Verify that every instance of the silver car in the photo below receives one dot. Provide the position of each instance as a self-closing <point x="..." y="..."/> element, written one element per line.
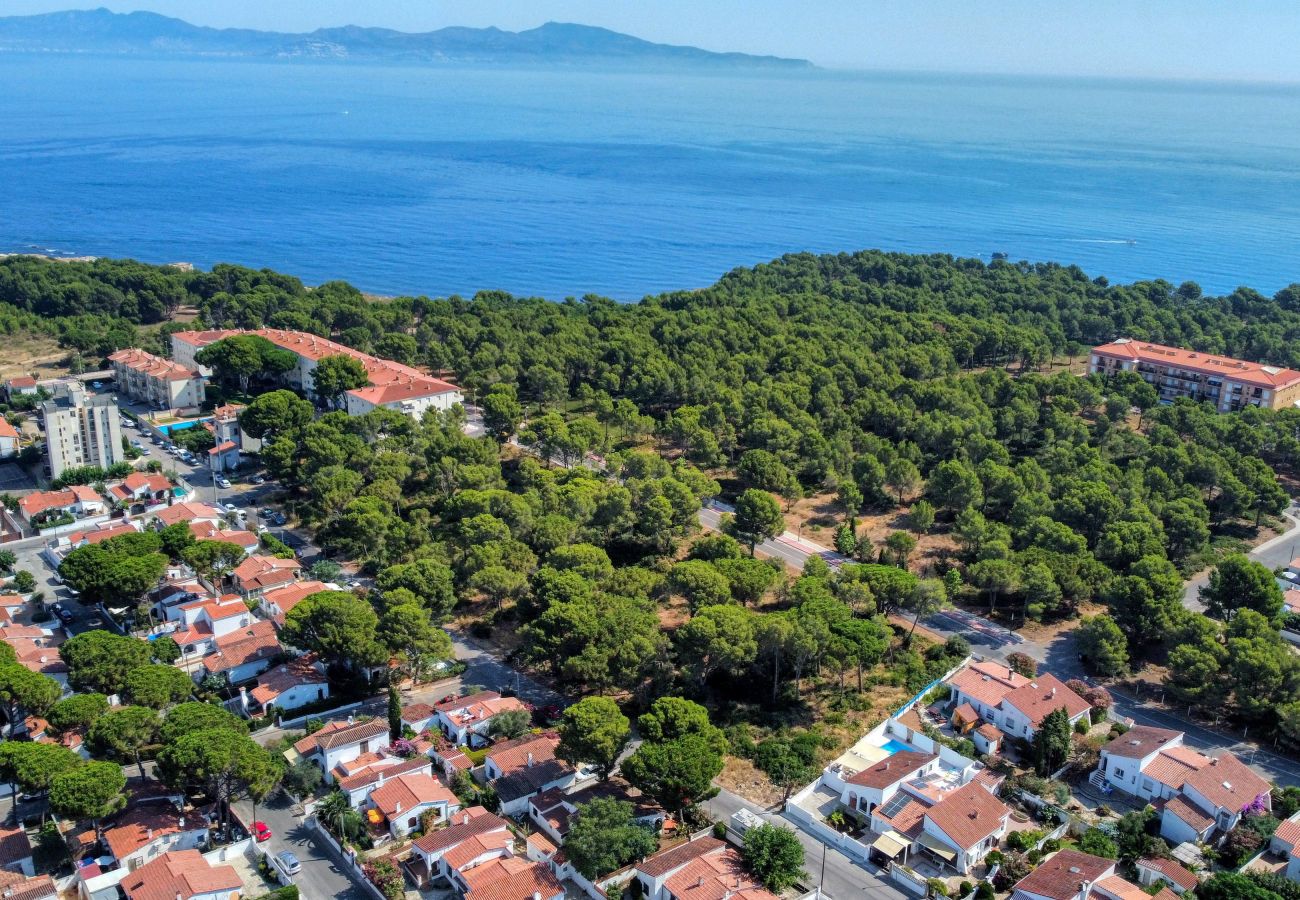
<point x="289" y="861"/>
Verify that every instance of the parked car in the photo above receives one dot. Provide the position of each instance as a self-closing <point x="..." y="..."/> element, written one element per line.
<point x="278" y="519"/>
<point x="63" y="615"/>
<point x="289" y="861"/>
<point x="257" y="479"/>
<point x="262" y="529"/>
<point x="97" y="384"/>
<point x="261" y="832"/>
<point x="223" y="482"/>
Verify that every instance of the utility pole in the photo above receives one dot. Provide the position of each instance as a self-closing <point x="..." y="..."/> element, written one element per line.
<point x="822" y="877"/>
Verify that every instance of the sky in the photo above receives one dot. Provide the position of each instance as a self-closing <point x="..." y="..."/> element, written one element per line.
<point x="1252" y="40"/>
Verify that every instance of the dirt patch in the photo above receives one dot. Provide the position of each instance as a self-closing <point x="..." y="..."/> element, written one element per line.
<point x="1046" y="632"/>
<point x="673" y="614"/>
<point x="741" y="777"/>
<point x="32" y="354"/>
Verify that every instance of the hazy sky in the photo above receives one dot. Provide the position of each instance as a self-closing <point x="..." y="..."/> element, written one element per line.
<point x="1243" y="39"/>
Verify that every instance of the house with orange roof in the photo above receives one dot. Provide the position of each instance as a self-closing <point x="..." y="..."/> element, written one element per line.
<point x="358" y="777"/>
<point x="522" y="768"/>
<point x="8" y="439"/>
<point x="1016" y="705"/>
<point x="16" y="851"/>
<point x="276" y="602"/>
<point x="1148" y="762"/>
<point x="258" y="574"/>
<point x="704" y="868"/>
<point x="148" y="829"/>
<point x="14" y="886"/>
<point x="290" y="685"/>
<point x="64" y="544"/>
<point x="190" y="511"/>
<point x="551" y="812"/>
<point x="141" y="488"/>
<point x="465" y="720"/>
<point x="243" y="654"/>
<point x="1073" y="875"/>
<point x="1230" y="384"/>
<point x="341" y="742"/>
<point x="211" y="531"/>
<point x="473" y="837"/>
<point x="182" y="875"/>
<point x="1214" y="797"/>
<point x="78" y="501"/>
<point x="159" y="382"/>
<point x="22" y="385"/>
<point x="405" y="798"/>
<point x="1169" y="872"/>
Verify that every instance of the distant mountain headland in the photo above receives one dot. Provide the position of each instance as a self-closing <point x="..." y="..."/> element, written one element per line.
<point x="150" y="34"/>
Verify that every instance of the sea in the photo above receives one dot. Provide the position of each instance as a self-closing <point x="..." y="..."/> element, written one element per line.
<point x="573" y="181"/>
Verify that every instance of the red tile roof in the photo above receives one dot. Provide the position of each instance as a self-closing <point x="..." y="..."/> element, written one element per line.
<point x="892" y="769"/>
<point x="1140" y="741"/>
<point x="1043" y="695"/>
<point x="151" y="366"/>
<point x="987" y="681"/>
<point x="1119" y="887"/>
<point x="187" y="512"/>
<point x="14" y="886"/>
<point x="22" y="381"/>
<point x="134" y="829"/>
<point x="180" y="874"/>
<point x="1171" y="871"/>
<point x="1228" y="783"/>
<point x="41" y="501"/>
<point x="968" y="815"/>
<point x="464" y="824"/>
<point x="274" y="682"/>
<point x="477" y="845"/>
<point x="1288" y="832"/>
<point x="7" y="430"/>
<point x="264" y="571"/>
<point x="404" y="793"/>
<point x="1173" y="764"/>
<point x="1192" y="815"/>
<point x="1254" y="374"/>
<point x="340" y="734"/>
<point x="291" y="595"/>
<point x="1059" y="876"/>
<point x="257" y="641"/>
<point x="14" y="846"/>
<point x="387" y="766"/>
<point x="716" y="876"/>
<point x="908" y="820"/>
<point x="520" y="752"/>
<point x="662" y="863"/>
<point x="525" y="884"/>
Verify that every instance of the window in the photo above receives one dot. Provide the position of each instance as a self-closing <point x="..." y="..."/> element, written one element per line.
<point x="1119" y="773"/>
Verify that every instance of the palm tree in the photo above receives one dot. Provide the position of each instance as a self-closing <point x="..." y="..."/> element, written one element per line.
<point x="334" y="808"/>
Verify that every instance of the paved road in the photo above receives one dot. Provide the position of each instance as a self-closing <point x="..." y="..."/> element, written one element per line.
<point x="321" y="876"/>
<point x="1274" y="553"/>
<point x="844" y="879"/>
<point x="788" y="547"/>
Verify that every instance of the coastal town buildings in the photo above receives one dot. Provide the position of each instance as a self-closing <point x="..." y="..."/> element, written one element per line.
<point x="158" y="382"/>
<point x="1174" y="372"/>
<point x="81" y="430"/>
<point x="392" y="385"/>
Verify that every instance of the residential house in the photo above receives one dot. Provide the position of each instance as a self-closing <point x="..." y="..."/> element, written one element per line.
<point x="8" y="439"/>
<point x="340" y="742"/>
<point x="291" y="684"/>
<point x="258" y="574"/>
<point x="1016" y="705"/>
<point x="704" y="868"/>
<point x="520" y="769"/>
<point x="1072" y="875"/>
<point x="243" y="655"/>
<point x="1286" y="837"/>
<point x="148" y="830"/>
<point x="201" y="622"/>
<point x="465" y="720"/>
<point x="1214" y="796"/>
<point x="963" y="827"/>
<point x="16" y="851"/>
<point x="23" y="385"/>
<point x="509" y="878"/>
<point x="551" y="812"/>
<point x="211" y="531"/>
<point x="419" y="717"/>
<point x="224" y="456"/>
<point x="14" y="886"/>
<point x="475" y="836"/>
<point x="140" y="488"/>
<point x="64" y="544"/>
<point x="877" y="783"/>
<point x="275" y="603"/>
<point x="1170" y="872"/>
<point x="225" y="428"/>
<point x="161" y="383"/>
<point x="77" y="501"/>
<point x="182" y="875"/>
<point x="358" y="777"/>
<point x="188" y="512"/>
<point x="1148" y="762"/>
<point x="404" y="799"/>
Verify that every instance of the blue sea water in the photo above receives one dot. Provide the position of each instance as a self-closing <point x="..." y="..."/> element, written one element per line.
<point x="561" y="183"/>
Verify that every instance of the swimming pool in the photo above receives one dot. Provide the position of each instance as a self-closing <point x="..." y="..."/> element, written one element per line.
<point x="894" y="746"/>
<point x="180" y="426"/>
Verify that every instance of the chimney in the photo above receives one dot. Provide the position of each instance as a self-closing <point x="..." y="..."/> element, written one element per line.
<point x="350" y="719"/>
<point x="530" y="760"/>
<point x="1052" y="693"/>
<point x="464" y="820"/>
<point x="537" y="895"/>
<point x="148" y="834"/>
<point x="381" y="777"/>
<point x="699" y="882"/>
<point x="398" y="808"/>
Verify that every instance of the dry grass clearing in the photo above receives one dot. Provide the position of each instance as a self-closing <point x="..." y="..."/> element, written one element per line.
<point x="26" y="354"/>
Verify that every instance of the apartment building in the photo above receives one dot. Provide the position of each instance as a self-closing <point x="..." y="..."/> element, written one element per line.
<point x="159" y="382"/>
<point x="1174" y="372"/>
<point x="81" y="430"/>
<point x="392" y="385"/>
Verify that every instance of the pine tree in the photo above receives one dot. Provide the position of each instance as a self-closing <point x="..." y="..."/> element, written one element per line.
<point x="1051" y="744"/>
<point x="394" y="713"/>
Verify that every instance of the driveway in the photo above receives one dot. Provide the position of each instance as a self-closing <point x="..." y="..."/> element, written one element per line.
<point x="321" y="876"/>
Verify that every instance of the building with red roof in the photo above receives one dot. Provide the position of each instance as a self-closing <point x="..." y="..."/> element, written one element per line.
<point x="8" y="439"/>
<point x="276" y="602"/>
<point x="258" y="574"/>
<point x="704" y="868"/>
<point x="291" y="684"/>
<point x="182" y="875"/>
<point x="392" y="385"/>
<point x="188" y="512"/>
<point x="404" y="799"/>
<point x="1174" y="372"/>
<point x="340" y="742"/>
<point x="77" y="501"/>
<point x="1016" y="705"/>
<point x="158" y="382"/>
<point x="141" y="487"/>
<point x="465" y="720"/>
<point x="243" y="654"/>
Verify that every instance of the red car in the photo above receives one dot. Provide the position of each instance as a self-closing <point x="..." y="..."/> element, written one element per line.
<point x="261" y="832"/>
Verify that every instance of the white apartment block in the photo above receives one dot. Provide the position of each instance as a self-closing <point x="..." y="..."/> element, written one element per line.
<point x="81" y="430"/>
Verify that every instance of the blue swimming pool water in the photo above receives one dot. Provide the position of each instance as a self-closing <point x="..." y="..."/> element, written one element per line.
<point x="895" y="746"/>
<point x="181" y="426"/>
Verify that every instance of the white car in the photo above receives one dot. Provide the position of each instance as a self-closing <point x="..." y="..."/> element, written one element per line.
<point x="223" y="481"/>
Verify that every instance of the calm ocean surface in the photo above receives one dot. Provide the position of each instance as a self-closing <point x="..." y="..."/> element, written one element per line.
<point x="558" y="183"/>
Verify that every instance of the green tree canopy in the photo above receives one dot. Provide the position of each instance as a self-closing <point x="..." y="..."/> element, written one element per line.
<point x="604" y="836"/>
<point x="593" y="731"/>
